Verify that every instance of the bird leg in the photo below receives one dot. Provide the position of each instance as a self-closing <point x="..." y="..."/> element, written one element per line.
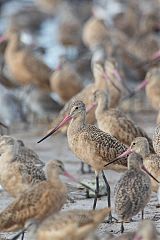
<point x="89" y="169"/>
<point x="22" y="238"/>
<point x="142" y="214"/>
<point x="82" y="168"/>
<point x="122" y="227"/>
<point x="109" y="197"/>
<point x="96" y="192"/>
<point x="18" y="235"/>
<point x="107" y="188"/>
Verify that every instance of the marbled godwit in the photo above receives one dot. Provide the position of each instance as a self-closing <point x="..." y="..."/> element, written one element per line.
<point x="65" y="81"/>
<point x="24" y="67"/>
<point x="24" y="154"/>
<point x="151" y="161"/>
<point x="38" y="202"/>
<point x="75" y="224"/>
<point x="115" y="122"/>
<point x="152" y="87"/>
<point x="20" y="167"/>
<point x="133" y="190"/>
<point x="94" y="31"/>
<point x="99" y="147"/>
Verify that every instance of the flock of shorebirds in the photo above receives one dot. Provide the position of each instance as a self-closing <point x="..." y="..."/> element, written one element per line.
<point x="99" y="131"/>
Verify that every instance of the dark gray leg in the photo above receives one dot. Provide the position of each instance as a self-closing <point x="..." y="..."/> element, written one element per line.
<point x="142" y="214"/>
<point x="22" y="238"/>
<point x="82" y="168"/>
<point x="108" y="189"/>
<point x="89" y="169"/>
<point x="96" y="192"/>
<point x="122" y="227"/>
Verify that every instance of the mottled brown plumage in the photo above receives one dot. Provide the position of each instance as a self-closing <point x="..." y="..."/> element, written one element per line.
<point x="24" y="67"/>
<point x="90" y="144"/>
<point x="75" y="224"/>
<point x="100" y="147"/>
<point x="36" y="203"/>
<point x="19" y="167"/>
<point x="24" y="154"/>
<point x="133" y="190"/>
<point x="115" y="122"/>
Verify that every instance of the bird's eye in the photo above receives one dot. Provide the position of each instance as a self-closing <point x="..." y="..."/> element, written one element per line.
<point x="76" y="108"/>
<point x="134" y="144"/>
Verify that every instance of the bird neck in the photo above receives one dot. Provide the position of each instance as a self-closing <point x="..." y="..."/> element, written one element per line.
<point x="145" y="152"/>
<point x="53" y="177"/>
<point x="77" y="123"/>
<point x="100" y="82"/>
<point x="14" y="43"/>
<point x="133" y="166"/>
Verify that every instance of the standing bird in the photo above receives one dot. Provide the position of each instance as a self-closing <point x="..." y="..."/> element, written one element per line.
<point x="20" y="167"/>
<point x="65" y="81"/>
<point x="75" y="224"/>
<point x="90" y="144"/>
<point x="133" y="190"/>
<point x="39" y="201"/>
<point x="24" y="67"/>
<point x="151" y="161"/>
<point x="152" y="87"/>
<point x="115" y="122"/>
<point x="94" y="31"/>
